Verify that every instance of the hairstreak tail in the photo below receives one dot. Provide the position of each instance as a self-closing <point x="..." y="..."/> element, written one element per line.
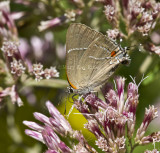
<point x="91" y="58"/>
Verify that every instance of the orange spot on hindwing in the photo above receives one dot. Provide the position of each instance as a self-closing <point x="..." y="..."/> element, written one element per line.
<point x="113" y="53"/>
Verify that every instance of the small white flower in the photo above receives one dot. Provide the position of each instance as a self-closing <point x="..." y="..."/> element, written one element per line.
<point x="38" y="69"/>
<point x="146" y="17"/>
<point x="9" y="47"/>
<point x="113" y="34"/>
<point x="102" y="144"/>
<point x="120" y="142"/>
<point x="151" y="111"/>
<point x="70" y="15"/>
<point x="109" y="12"/>
<point x="145" y="29"/>
<point x="17" y="67"/>
<point x="52" y="72"/>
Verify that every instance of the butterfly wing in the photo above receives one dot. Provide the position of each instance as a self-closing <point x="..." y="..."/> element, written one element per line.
<point x="98" y="63"/>
<point x="79" y="37"/>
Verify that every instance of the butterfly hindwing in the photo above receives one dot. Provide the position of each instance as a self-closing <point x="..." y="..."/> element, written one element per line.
<point x="97" y="62"/>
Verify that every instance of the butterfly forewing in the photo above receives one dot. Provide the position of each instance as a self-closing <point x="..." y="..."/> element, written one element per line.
<point x="79" y="37"/>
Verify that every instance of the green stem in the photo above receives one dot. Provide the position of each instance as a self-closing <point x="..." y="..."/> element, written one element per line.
<point x="132" y="148"/>
<point x="53" y="83"/>
<point x="130" y="142"/>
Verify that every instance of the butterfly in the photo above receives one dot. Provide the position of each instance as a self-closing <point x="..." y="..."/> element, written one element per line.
<point x="91" y="58"/>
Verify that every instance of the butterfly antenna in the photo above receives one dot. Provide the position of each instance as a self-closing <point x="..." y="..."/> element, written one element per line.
<point x="66" y="96"/>
<point x="69" y="99"/>
<point x="134" y="80"/>
<point x="143" y="78"/>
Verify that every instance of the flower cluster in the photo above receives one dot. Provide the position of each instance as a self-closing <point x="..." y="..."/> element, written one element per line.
<point x="13" y="59"/>
<point x="12" y="92"/>
<point x="126" y="17"/>
<point x="109" y="12"/>
<point x="107" y="120"/>
<point x="140" y="15"/>
<point x="54" y="126"/>
<point x="67" y="17"/>
<point x="7" y="28"/>
<point x="113" y="34"/>
<point x="47" y="73"/>
<point x="153" y="151"/>
<point x="10" y="48"/>
<point x="16" y="64"/>
<point x="17" y="67"/>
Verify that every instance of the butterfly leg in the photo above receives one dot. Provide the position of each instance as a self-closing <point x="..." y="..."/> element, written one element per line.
<point x="73" y="97"/>
<point x="94" y="92"/>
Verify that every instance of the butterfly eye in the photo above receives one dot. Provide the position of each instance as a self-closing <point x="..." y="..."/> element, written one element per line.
<point x="71" y="90"/>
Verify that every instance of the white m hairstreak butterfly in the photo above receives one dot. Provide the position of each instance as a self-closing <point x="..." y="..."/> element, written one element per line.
<point x="91" y="58"/>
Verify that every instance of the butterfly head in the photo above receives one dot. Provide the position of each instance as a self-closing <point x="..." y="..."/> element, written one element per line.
<point x="122" y="55"/>
<point x="70" y="90"/>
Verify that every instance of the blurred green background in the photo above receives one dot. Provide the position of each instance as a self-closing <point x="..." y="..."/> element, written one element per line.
<point x="48" y="48"/>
